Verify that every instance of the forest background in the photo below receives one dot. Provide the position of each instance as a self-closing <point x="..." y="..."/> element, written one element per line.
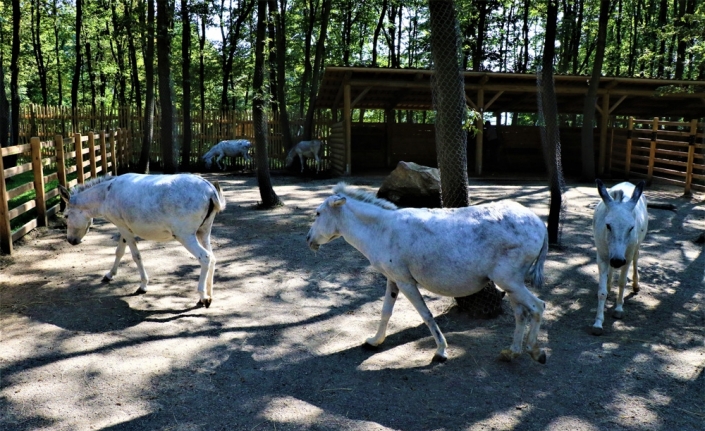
<point x="199" y="55"/>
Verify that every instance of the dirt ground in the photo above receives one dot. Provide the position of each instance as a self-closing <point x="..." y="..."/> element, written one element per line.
<point x="279" y="349"/>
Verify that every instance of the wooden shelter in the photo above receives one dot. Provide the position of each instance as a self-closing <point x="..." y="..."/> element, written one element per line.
<point x="346" y="88"/>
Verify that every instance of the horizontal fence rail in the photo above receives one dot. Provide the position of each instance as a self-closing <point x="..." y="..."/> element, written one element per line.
<point x="666" y="151"/>
<point x="61" y="161"/>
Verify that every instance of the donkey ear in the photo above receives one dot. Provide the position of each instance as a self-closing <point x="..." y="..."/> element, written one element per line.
<point x="65" y="193"/>
<point x="602" y="190"/>
<point x="638" y="190"/>
<point x="337" y="201"/>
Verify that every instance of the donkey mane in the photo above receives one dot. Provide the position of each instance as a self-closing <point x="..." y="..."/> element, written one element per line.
<point x="81" y="187"/>
<point x="617" y="195"/>
<point x="362" y="196"/>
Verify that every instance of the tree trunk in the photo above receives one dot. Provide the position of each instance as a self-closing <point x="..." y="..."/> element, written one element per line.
<point x="231" y="42"/>
<point x="75" y="81"/>
<point x="378" y="29"/>
<point x="4" y="112"/>
<point x="167" y="121"/>
<point x="14" y="81"/>
<point x="449" y="95"/>
<point x="186" y="85"/>
<point x="148" y="128"/>
<point x="132" y="53"/>
<point x="91" y="79"/>
<point x="588" y="135"/>
<point x="479" y="53"/>
<point x="550" y="138"/>
<point x="201" y="60"/>
<point x="259" y="118"/>
<point x="59" y="77"/>
<point x="36" y="16"/>
<point x="307" y="55"/>
<point x="317" y="66"/>
<point x="280" y="34"/>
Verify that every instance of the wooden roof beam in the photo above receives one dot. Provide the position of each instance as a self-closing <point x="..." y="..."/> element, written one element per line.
<point x="359" y="97"/>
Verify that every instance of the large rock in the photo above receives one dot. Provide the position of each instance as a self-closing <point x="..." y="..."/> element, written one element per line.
<point x="412" y="185"/>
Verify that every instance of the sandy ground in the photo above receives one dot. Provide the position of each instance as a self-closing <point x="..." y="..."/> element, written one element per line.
<point x="279" y="349"/>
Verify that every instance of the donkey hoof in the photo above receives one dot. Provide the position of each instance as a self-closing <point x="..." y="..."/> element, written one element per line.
<point x="618" y="314"/>
<point x="506" y="355"/>
<point x="105" y="279"/>
<point x="541" y="359"/>
<point x="439" y="359"/>
<point x="140" y="291"/>
<point x="207" y="302"/>
<point x="596" y="330"/>
<point x="369" y="347"/>
<point x="636" y="289"/>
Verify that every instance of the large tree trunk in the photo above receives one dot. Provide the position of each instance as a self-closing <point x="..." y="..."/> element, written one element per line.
<point x="259" y="117"/>
<point x="449" y="96"/>
<point x="57" y="42"/>
<point x="280" y="60"/>
<point x="148" y="127"/>
<point x="306" y="76"/>
<point x="378" y="29"/>
<point x="588" y="136"/>
<point x="317" y="66"/>
<point x="167" y="121"/>
<point x="186" y="85"/>
<point x="479" y="54"/>
<point x="4" y="110"/>
<point x="75" y="81"/>
<point x="550" y="138"/>
<point x="132" y="53"/>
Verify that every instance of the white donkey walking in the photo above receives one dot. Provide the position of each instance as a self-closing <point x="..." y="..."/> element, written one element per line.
<point x="305" y="149"/>
<point x="153" y="207"/>
<point x="451" y="252"/>
<point x="232" y="148"/>
<point x="619" y="226"/>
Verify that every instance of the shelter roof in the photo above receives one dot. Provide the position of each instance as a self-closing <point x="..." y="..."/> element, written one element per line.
<point x="410" y="89"/>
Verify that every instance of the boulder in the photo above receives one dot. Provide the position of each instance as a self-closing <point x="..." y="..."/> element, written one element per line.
<point x="412" y="185"/>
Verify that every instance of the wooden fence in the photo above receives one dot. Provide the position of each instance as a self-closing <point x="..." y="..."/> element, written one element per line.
<point x="207" y="129"/>
<point x="666" y="151"/>
<point x="68" y="161"/>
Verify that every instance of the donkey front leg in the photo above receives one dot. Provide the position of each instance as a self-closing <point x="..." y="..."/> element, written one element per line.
<point x="119" y="253"/>
<point x="390" y="298"/>
<point x="618" y="312"/>
<point x="207" y="261"/>
<point x="137" y="257"/>
<point x="604" y="279"/>
<point x="411" y="291"/>
<point x="635" y="273"/>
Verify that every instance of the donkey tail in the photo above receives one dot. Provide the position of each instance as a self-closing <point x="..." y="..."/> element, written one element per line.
<point x="536" y="269"/>
<point x="218" y="201"/>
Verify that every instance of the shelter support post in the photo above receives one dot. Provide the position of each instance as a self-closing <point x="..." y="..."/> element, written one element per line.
<point x="480" y="135"/>
<point x="628" y="161"/>
<point x="652" y="151"/>
<point x="604" y="123"/>
<point x="347" y="128"/>
<point x="38" y="172"/>
<point x="691" y="157"/>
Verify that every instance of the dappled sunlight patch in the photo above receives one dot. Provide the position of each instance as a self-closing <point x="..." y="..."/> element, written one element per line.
<point x="564" y="423"/>
<point x="290" y="411"/>
<point x="682" y="365"/>
<point x="405" y="356"/>
<point x="634" y="412"/>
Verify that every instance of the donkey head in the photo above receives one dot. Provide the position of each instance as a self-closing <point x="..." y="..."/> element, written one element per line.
<point x="325" y="228"/>
<point x="618" y="226"/>
<point x="78" y="221"/>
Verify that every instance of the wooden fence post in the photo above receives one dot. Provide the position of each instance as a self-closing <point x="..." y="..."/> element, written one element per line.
<point x="91" y="154"/>
<point x="691" y="157"/>
<point x="652" y="151"/>
<point x="78" y="146"/>
<point x="60" y="165"/>
<point x="113" y="151"/>
<point x="38" y="171"/>
<point x="628" y="161"/>
<point x="5" y="231"/>
<point x="103" y="154"/>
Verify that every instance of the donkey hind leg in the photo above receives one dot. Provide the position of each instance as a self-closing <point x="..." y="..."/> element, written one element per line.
<point x="390" y="298"/>
<point x="605" y="279"/>
<point x="119" y="253"/>
<point x="137" y="257"/>
<point x="411" y="291"/>
<point x="618" y="312"/>
<point x="635" y="272"/>
<point x="301" y="159"/>
<point x="207" y="261"/>
<point x="204" y="238"/>
<point x="527" y="307"/>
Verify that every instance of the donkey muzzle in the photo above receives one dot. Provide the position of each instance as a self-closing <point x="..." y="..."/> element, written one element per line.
<point x="617" y="262"/>
<point x="74" y="241"/>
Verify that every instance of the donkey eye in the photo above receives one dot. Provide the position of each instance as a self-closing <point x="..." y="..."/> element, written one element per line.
<point x="318" y="213"/>
<point x="631" y="228"/>
<point x="609" y="227"/>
